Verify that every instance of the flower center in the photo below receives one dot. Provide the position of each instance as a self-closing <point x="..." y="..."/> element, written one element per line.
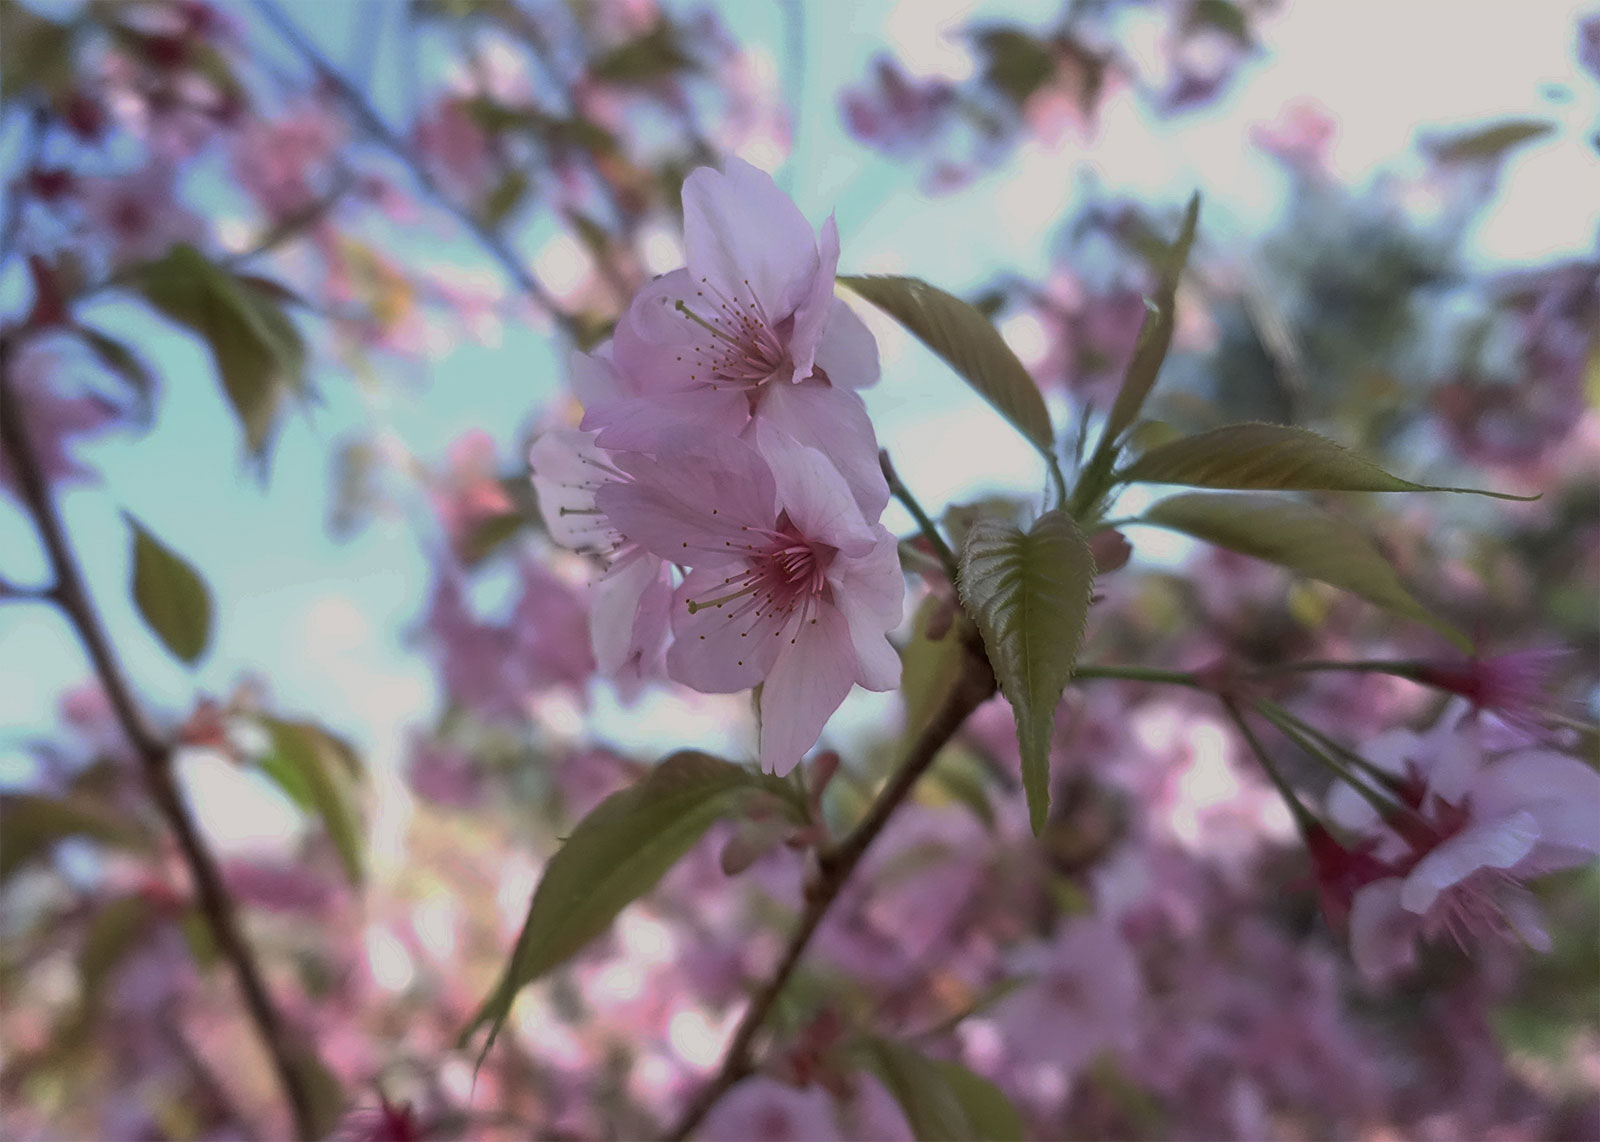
<point x="784" y="579"/>
<point x="746" y="347"/>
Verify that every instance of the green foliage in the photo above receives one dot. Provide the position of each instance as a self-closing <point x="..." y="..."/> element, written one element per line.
<point x="127" y="365"/>
<point x="172" y="599"/>
<point x="1029" y="594"/>
<point x="31" y="824"/>
<point x="617" y="854"/>
<point x="320" y="773"/>
<point x="943" y="1101"/>
<point x="34" y="52"/>
<point x="656" y="55"/>
<point x="259" y="354"/>
<point x="1488" y="143"/>
<point x="1015" y="63"/>
<point x="1301" y="537"/>
<point x="965" y="339"/>
<point x="1271" y="456"/>
<point x="1155" y="336"/>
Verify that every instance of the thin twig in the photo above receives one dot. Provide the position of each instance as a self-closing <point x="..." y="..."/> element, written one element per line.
<point x="930" y="530"/>
<point x="155" y="756"/>
<point x="382" y="134"/>
<point x="971" y="689"/>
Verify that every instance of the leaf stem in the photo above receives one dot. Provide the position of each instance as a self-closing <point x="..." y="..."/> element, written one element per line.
<point x="929" y="529"/>
<point x="1304" y="819"/>
<point x="155" y="757"/>
<point x="1140" y="674"/>
<point x="972" y="688"/>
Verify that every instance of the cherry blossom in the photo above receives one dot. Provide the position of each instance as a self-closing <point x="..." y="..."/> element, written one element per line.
<point x="789" y="585"/>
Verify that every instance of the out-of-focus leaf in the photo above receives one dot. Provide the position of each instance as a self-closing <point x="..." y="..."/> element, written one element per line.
<point x="1272" y="456"/>
<point x="504" y="199"/>
<point x="1029" y="594"/>
<point x="1016" y="64"/>
<point x="658" y="54"/>
<point x="128" y="366"/>
<point x="259" y="354"/>
<point x="1225" y="17"/>
<point x="1301" y="537"/>
<point x="489" y="536"/>
<point x="322" y="1088"/>
<point x="320" y="772"/>
<point x="942" y="1101"/>
<point x="112" y="932"/>
<point x="614" y="856"/>
<point x="969" y="344"/>
<point x="30" y="824"/>
<point x="929" y="666"/>
<point x="172" y="598"/>
<point x="1155" y="336"/>
<point x="34" y="52"/>
<point x="1483" y="144"/>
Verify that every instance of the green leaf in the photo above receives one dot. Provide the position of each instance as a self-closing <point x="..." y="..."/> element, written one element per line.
<point x="1301" y="537"/>
<point x="614" y="856"/>
<point x="172" y="598"/>
<point x="658" y="54"/>
<point x="259" y="354"/>
<point x="112" y="931"/>
<point x="118" y="358"/>
<point x="1029" y="595"/>
<point x="488" y="535"/>
<point x="34" y="52"/>
<point x="504" y="199"/>
<point x="1487" y="143"/>
<point x="1155" y="336"/>
<point x="1225" y="17"/>
<point x="970" y="345"/>
<point x="319" y="772"/>
<point x="31" y="824"/>
<point x="1272" y="456"/>
<point x="1016" y="64"/>
<point x="942" y="1101"/>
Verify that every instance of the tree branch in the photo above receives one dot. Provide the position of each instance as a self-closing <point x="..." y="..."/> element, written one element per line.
<point x="971" y="689"/>
<point x="155" y="755"/>
<point x="382" y="134"/>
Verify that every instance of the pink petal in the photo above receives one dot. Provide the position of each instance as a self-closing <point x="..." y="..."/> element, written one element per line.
<point x="1561" y="793"/>
<point x="1498" y="843"/>
<point x="811" y="317"/>
<point x="805" y="686"/>
<point x="695" y="503"/>
<point x="870" y="593"/>
<point x="848" y="353"/>
<point x="640" y="424"/>
<point x="743" y="235"/>
<point x="833" y="421"/>
<point x="813" y="492"/>
<point x="719" y="650"/>
<point x="1382" y="934"/>
<point x="654" y="342"/>
<point x="629" y="611"/>
<point x="595" y="380"/>
<point x="567" y="471"/>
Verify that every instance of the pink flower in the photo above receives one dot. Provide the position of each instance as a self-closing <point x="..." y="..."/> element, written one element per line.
<point x="1478" y="829"/>
<point x="137" y="217"/>
<point x="790" y="586"/>
<point x="54" y="419"/>
<point x="281" y="162"/>
<point x="749" y="332"/>
<point x="1515" y="687"/>
<point x="766" y="1109"/>
<point x="469" y="494"/>
<point x="628" y="619"/>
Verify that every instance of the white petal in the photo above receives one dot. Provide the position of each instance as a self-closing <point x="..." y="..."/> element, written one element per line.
<point x="848" y="353"/>
<point x="1382" y="934"/>
<point x="744" y="235"/>
<point x="1499" y="843"/>
<point x="806" y="685"/>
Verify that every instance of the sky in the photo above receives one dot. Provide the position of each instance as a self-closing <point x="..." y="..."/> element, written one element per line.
<point x="328" y="623"/>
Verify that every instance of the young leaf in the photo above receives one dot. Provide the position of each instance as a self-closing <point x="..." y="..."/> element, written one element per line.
<point x="1272" y="456"/>
<point x="1029" y="594"/>
<point x="614" y="856"/>
<point x="1485" y="143"/>
<point x="942" y="1101"/>
<point x="259" y="354"/>
<point x="1301" y="537"/>
<point x="172" y="598"/>
<point x="319" y="772"/>
<point x="118" y="358"/>
<point x="969" y="344"/>
<point x="31" y="823"/>
<point x="1155" y="336"/>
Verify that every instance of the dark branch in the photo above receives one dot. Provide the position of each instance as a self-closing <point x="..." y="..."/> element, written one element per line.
<point x="155" y="755"/>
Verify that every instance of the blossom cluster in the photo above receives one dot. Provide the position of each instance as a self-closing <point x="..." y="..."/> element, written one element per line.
<point x="727" y="474"/>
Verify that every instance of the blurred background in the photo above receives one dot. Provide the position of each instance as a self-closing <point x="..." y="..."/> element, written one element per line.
<point x="409" y="214"/>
